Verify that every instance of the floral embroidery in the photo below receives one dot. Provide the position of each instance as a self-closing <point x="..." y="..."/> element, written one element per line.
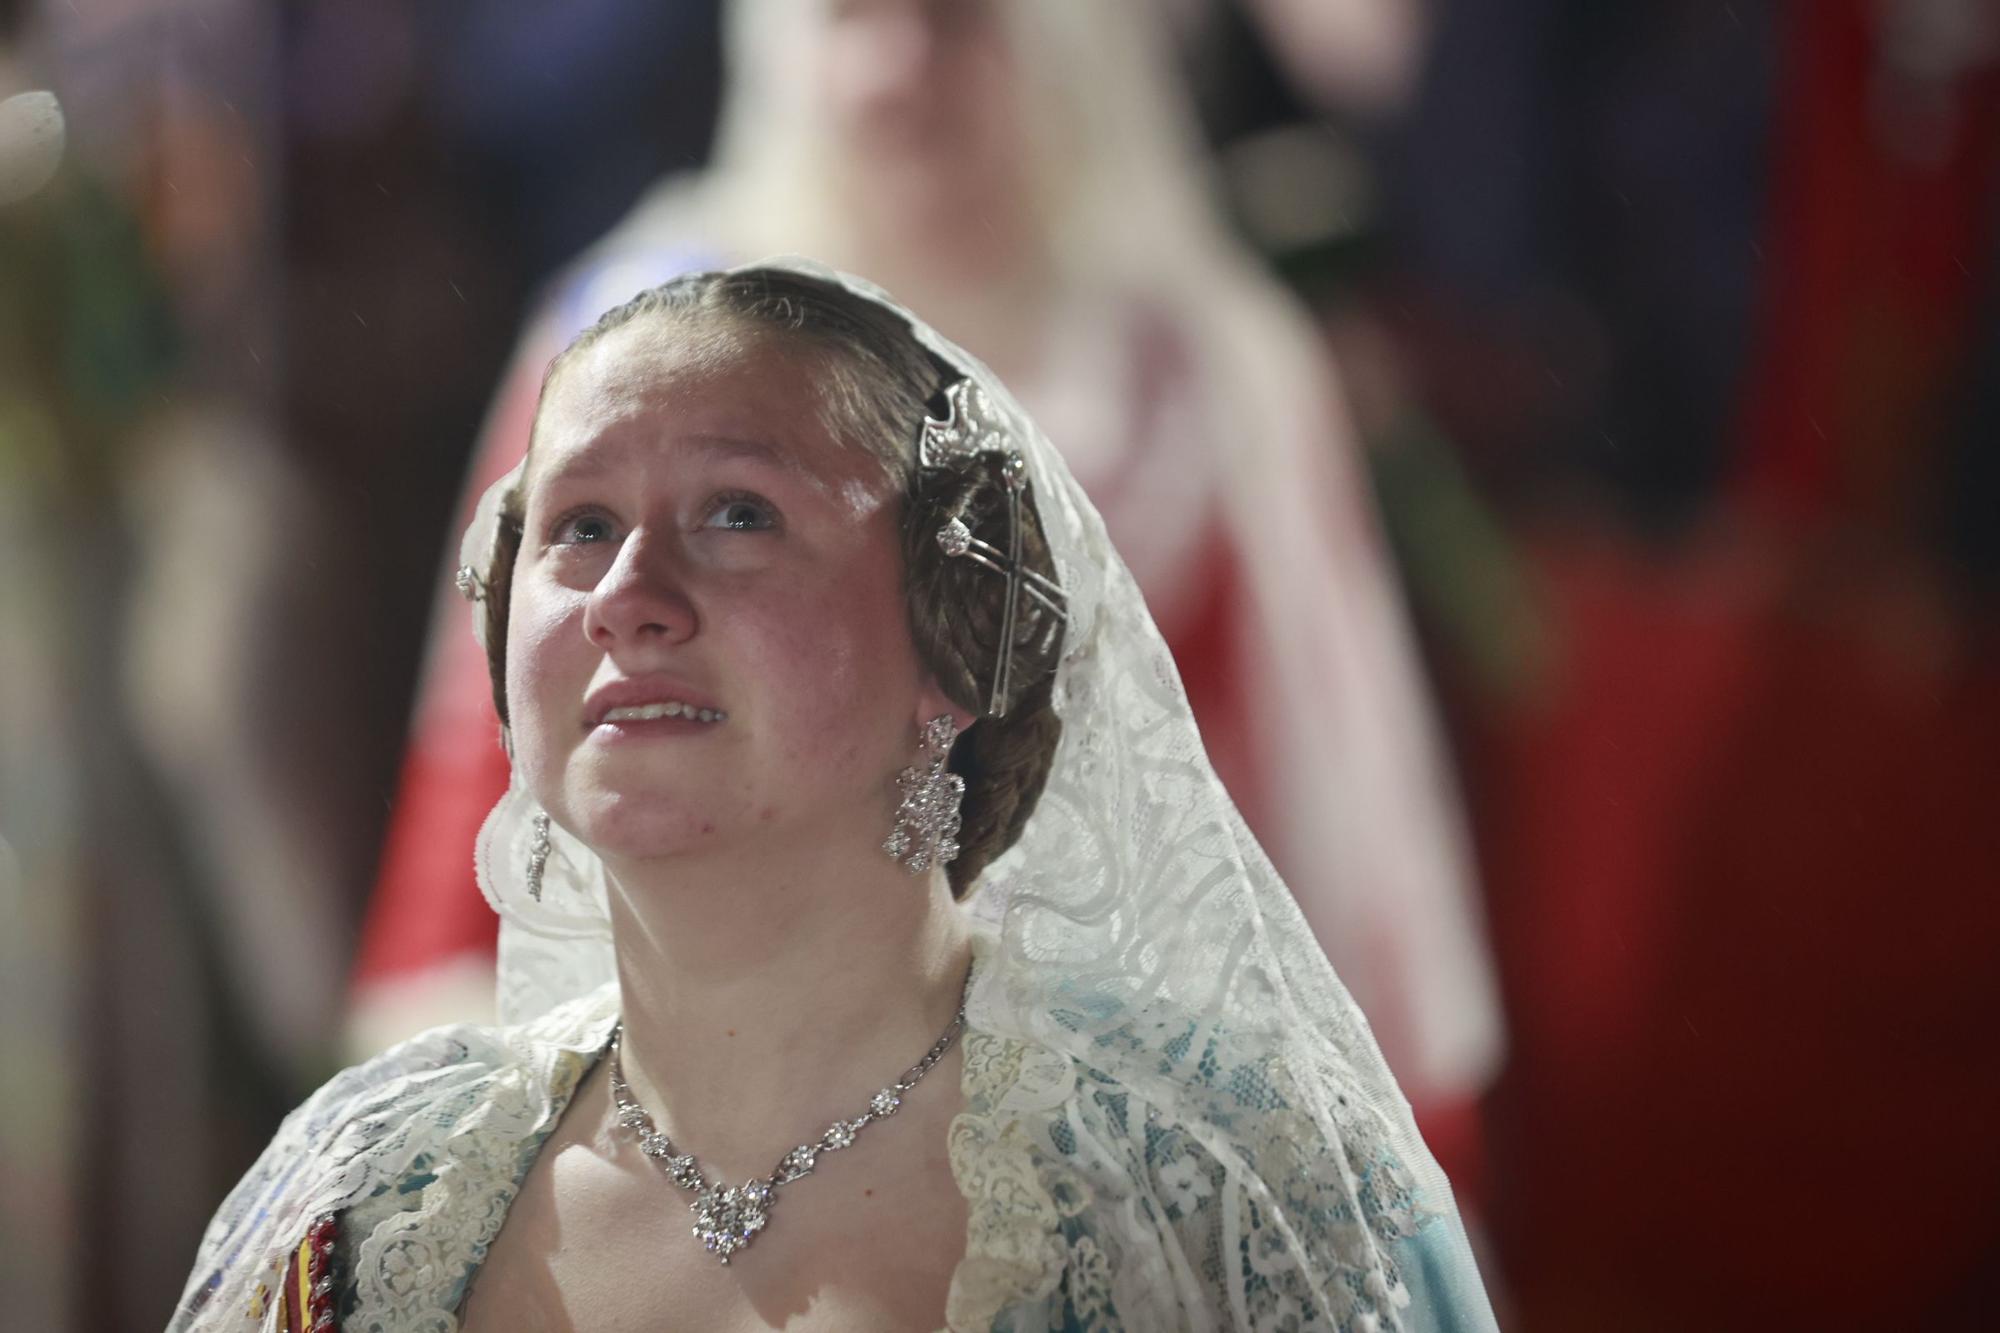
<point x="1089" y="1287"/>
<point x="1184" y="1184"/>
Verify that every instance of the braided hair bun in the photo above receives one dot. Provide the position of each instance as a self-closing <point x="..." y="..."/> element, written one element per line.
<point x="957" y="617"/>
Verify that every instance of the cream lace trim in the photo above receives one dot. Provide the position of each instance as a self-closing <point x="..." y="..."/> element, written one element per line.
<point x="412" y="1264"/>
<point x="421" y="1151"/>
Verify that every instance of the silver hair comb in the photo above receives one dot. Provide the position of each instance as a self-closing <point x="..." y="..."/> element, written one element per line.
<point x="972" y="431"/>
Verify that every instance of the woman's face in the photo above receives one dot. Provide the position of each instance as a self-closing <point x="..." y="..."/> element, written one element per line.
<point x="919" y="96"/>
<point x="707" y="639"/>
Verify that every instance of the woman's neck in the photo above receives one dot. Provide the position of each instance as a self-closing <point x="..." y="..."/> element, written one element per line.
<point x="766" y="992"/>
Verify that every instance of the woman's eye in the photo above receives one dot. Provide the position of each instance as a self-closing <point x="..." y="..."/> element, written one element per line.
<point x="740" y="513"/>
<point x="583" y="530"/>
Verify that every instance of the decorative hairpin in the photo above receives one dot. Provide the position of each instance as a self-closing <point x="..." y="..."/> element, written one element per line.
<point x="470" y="586"/>
<point x="971" y="427"/>
<point x="970" y="431"/>
<point x="955" y="539"/>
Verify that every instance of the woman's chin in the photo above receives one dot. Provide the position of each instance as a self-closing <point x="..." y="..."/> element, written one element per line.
<point x="624" y="829"/>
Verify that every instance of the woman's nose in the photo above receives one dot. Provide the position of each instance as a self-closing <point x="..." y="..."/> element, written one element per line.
<point x="642" y="597"/>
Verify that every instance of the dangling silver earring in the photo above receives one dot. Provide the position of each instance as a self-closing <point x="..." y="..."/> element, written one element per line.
<point x="538" y="854"/>
<point x="927" y="821"/>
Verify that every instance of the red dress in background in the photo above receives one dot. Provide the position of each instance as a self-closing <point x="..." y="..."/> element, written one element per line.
<point x="1744" y="857"/>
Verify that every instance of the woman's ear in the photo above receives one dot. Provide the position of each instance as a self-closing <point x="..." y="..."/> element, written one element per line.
<point x="932" y="700"/>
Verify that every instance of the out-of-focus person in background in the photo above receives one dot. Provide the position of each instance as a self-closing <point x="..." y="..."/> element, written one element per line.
<point x="1026" y="175"/>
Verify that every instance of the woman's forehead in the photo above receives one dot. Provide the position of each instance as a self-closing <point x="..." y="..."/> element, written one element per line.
<point x="706" y="395"/>
<point x="650" y="366"/>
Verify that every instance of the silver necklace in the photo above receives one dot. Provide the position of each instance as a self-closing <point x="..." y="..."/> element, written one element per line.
<point x="728" y="1217"/>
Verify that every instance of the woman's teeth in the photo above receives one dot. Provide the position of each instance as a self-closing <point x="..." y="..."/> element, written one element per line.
<point x="674" y="708"/>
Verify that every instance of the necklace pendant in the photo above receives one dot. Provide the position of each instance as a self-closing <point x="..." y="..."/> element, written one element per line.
<point x="728" y="1218"/>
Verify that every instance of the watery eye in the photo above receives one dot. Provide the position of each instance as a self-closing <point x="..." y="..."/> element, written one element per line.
<point x="740" y="514"/>
<point x="584" y="529"/>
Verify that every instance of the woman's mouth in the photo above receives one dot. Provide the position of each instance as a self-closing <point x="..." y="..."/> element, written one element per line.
<point x="670" y="708"/>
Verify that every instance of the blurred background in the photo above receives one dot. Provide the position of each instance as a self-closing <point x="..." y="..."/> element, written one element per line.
<point x="1646" y="357"/>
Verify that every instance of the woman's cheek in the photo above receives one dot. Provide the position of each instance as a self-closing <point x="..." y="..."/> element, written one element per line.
<point x="853" y="671"/>
<point x="545" y="649"/>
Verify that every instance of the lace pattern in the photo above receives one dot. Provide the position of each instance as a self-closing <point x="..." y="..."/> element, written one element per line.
<point x="1091" y="1210"/>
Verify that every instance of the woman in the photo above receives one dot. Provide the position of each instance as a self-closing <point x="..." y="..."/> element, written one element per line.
<point x="783" y="578"/>
<point x="1190" y="400"/>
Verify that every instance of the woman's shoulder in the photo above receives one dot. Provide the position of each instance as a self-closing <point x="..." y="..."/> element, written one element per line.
<point x="461" y="1101"/>
<point x="437" y="1063"/>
